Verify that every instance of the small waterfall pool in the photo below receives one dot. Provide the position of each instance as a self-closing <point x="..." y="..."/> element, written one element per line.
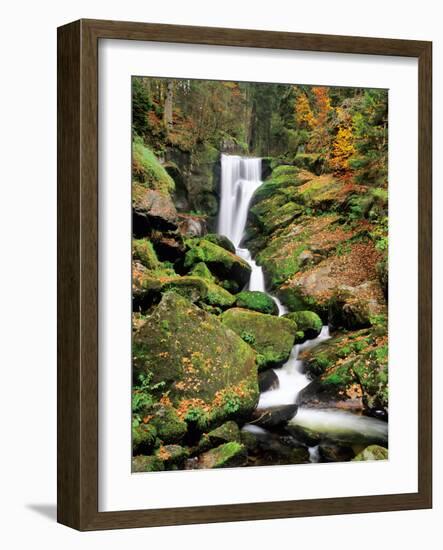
<point x="241" y="177"/>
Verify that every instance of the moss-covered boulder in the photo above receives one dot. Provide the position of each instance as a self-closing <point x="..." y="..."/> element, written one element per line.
<point x="143" y="251"/>
<point x="144" y="437"/>
<point x="351" y="372"/>
<point x="372" y="452"/>
<point x="149" y="463"/>
<point x="272" y="337"/>
<point x="172" y="456"/>
<point x="306" y="321"/>
<point x="202" y="270"/>
<point x="199" y="290"/>
<point x="208" y="372"/>
<point x="168" y="425"/>
<point x="229" y="431"/>
<point x="221" y="262"/>
<point x="221" y="240"/>
<point x="256" y="301"/>
<point x="228" y="455"/>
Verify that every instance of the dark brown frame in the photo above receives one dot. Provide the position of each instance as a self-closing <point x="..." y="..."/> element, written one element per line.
<point x="77" y="480"/>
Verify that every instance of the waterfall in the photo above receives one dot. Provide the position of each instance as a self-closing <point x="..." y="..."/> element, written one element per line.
<point x="240" y="178"/>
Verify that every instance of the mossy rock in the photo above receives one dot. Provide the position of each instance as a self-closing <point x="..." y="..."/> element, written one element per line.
<point x="272" y="337"/>
<point x="147" y="169"/>
<point x="170" y="428"/>
<point x="150" y="463"/>
<point x="306" y="321"/>
<point x="348" y="311"/>
<point x="208" y="371"/>
<point x="351" y="371"/>
<point x="221" y="262"/>
<point x="311" y="161"/>
<point x="143" y="251"/>
<point x="144" y="438"/>
<point x="256" y="301"/>
<point x="202" y="270"/>
<point x="221" y="240"/>
<point x="229" y="431"/>
<point x="228" y="455"/>
<point x="172" y="456"/>
<point x="372" y="452"/>
<point x="197" y="289"/>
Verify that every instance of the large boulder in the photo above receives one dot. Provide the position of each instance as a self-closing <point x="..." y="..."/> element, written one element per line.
<point x="354" y="307"/>
<point x="152" y="209"/>
<point x="207" y="372"/>
<point x="228" y="455"/>
<point x="256" y="301"/>
<point x="272" y="337"/>
<point x="351" y="372"/>
<point x="274" y="417"/>
<point x="221" y="240"/>
<point x="197" y="289"/>
<point x="221" y="262"/>
<point x="307" y="321"/>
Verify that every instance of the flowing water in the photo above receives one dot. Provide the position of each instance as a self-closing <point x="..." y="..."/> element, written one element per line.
<point x="240" y="178"/>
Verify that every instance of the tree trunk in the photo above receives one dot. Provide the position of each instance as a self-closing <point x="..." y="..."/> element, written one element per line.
<point x="167" y="111"/>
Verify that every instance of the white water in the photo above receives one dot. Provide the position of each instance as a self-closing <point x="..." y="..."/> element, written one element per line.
<point x="241" y="177"/>
<point x="341" y="423"/>
<point x="291" y="377"/>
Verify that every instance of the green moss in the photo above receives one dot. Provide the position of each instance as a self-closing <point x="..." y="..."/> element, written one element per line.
<point x="147" y="464"/>
<point x="197" y="289"/>
<point x="373" y="452"/>
<point x="220" y="240"/>
<point x="201" y="270"/>
<point x="204" y="366"/>
<point x="273" y="337"/>
<point x="222" y="263"/>
<point x="148" y="170"/>
<point x="307" y="321"/>
<point x="227" y="455"/>
<point x="143" y="251"/>
<point x="169" y="426"/>
<point x="256" y="301"/>
<point x="143" y="438"/>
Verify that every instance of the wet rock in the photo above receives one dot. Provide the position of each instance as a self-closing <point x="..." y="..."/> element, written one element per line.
<point x="192" y="226"/>
<point x="229" y="431"/>
<point x="274" y="417"/>
<point x="335" y="453"/>
<point x="268" y="380"/>
<point x="304" y="435"/>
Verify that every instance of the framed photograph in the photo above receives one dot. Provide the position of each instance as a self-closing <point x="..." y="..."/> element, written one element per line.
<point x="244" y="275"/>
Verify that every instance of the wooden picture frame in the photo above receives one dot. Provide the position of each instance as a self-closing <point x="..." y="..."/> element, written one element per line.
<point x="78" y="273"/>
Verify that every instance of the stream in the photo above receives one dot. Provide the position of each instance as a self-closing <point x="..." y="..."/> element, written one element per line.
<point x="240" y="178"/>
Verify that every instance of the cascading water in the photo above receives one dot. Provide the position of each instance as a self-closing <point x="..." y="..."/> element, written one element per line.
<point x="240" y="178"/>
